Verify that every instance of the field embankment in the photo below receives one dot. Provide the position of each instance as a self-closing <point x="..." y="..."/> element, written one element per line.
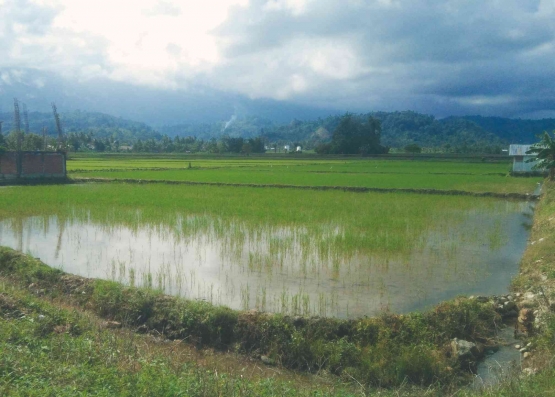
<point x="460" y="182"/>
<point x="388" y="350"/>
<point x="536" y="281"/>
<point x="357" y="189"/>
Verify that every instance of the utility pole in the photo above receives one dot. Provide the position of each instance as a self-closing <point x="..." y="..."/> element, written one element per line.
<point x="25" y="119"/>
<point x="58" y="126"/>
<point x="44" y="131"/>
<point x="17" y="124"/>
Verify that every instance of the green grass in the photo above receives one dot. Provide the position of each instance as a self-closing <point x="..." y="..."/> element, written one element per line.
<point x="53" y="351"/>
<point x="388" y="350"/>
<point x="49" y="349"/>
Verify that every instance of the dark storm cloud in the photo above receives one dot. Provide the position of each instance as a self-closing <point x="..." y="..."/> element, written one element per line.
<point x="491" y="57"/>
<point x="457" y="55"/>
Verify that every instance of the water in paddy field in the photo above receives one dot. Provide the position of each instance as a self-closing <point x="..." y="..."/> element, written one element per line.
<point x="286" y="269"/>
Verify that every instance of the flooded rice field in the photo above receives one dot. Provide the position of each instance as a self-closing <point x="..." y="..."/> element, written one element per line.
<point x="295" y="269"/>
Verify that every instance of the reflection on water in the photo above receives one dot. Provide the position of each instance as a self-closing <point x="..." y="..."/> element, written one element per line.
<point x="286" y="269"/>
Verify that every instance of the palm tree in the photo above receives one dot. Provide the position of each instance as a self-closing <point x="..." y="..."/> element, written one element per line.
<point x="545" y="154"/>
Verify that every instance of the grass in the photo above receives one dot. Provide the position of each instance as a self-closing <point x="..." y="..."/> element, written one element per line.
<point x="52" y="350"/>
<point x="55" y="348"/>
<point x="383" y="351"/>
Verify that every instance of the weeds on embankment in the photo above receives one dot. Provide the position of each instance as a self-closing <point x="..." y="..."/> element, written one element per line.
<point x="385" y="351"/>
<point x="49" y="348"/>
<point x="356" y="189"/>
<point x="53" y="351"/>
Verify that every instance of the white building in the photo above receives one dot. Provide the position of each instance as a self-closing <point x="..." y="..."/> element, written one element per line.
<point x="520" y="158"/>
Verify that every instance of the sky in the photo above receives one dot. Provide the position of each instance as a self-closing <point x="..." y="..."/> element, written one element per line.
<point x="450" y="57"/>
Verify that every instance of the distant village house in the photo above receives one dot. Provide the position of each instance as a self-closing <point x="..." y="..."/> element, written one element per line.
<point x="521" y="163"/>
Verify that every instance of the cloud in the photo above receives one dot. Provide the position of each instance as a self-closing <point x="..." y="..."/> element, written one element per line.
<point x="454" y="56"/>
<point x="29" y="37"/>
<point x="449" y="57"/>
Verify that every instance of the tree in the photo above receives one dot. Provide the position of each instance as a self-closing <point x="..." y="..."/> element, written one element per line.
<point x="544" y="152"/>
<point x="99" y="146"/>
<point x="323" y="148"/>
<point x="2" y="144"/>
<point x="32" y="142"/>
<point x="413" y="148"/>
<point x="257" y="145"/>
<point x="246" y="148"/>
<point x="351" y="136"/>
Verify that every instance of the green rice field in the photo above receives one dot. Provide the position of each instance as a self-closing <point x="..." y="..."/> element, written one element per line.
<point x="382" y="174"/>
<point x="327" y="253"/>
<point x="128" y="162"/>
<point x="471" y="183"/>
<point x="350" y="259"/>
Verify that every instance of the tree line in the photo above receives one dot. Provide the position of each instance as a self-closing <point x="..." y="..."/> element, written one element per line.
<point x="368" y="133"/>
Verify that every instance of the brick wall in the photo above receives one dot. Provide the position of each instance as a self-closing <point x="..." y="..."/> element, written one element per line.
<point x="8" y="166"/>
<point x="54" y="164"/>
<point x="32" y="165"/>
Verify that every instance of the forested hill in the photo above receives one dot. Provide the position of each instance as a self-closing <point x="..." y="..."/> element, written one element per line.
<point x="99" y="124"/>
<point x="398" y="130"/>
<point x="514" y="130"/>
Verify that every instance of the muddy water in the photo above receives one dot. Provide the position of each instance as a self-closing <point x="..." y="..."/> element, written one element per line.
<point x="285" y="269"/>
<point x="501" y="364"/>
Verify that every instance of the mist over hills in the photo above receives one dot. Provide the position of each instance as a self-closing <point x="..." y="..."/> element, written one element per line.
<point x="155" y="106"/>
<point x="399" y="129"/>
<point x="126" y="112"/>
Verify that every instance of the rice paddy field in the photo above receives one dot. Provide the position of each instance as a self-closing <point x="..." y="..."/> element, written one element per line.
<point x="326" y="253"/>
<point x="323" y="276"/>
<point x="395" y="174"/>
<point x="130" y="162"/>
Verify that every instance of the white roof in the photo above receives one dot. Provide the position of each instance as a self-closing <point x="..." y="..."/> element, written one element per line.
<point x="519" y="150"/>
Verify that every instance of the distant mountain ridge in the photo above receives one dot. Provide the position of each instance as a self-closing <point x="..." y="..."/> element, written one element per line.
<point x="398" y="129"/>
<point x="520" y="131"/>
<point x="101" y="125"/>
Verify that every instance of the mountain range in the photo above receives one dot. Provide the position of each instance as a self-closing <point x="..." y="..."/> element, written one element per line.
<point x="398" y="128"/>
<point x="126" y="112"/>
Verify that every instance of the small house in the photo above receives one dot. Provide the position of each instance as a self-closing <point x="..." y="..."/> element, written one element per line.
<point x="299" y="149"/>
<point x="520" y="158"/>
<point x="287" y="148"/>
